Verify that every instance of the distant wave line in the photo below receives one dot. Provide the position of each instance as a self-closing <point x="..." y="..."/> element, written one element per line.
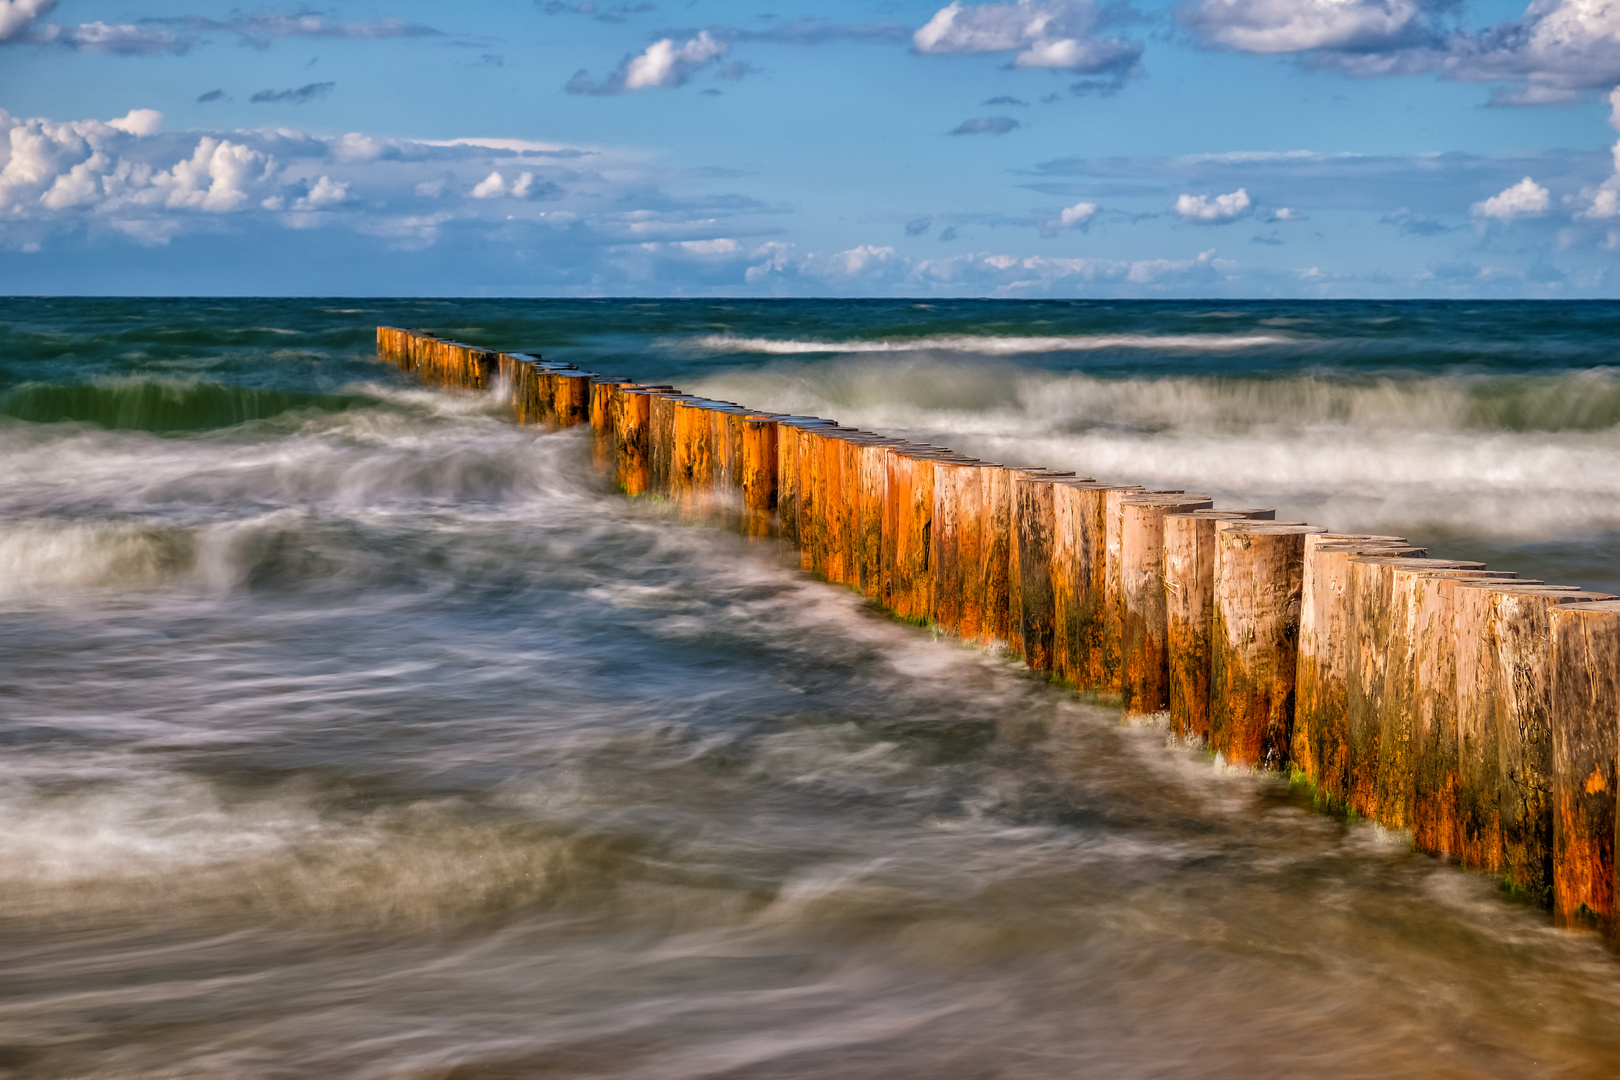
<point x="988" y="344"/>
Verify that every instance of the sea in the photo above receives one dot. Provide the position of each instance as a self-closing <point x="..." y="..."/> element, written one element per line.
<point x="350" y="731"/>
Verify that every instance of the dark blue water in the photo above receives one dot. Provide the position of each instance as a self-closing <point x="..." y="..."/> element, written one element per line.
<point x="351" y="731"/>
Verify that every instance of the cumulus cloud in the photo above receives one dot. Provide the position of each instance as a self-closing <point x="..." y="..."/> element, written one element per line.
<point x="1526" y="199"/>
<point x="523" y="186"/>
<point x="17" y="17"/>
<point x="661" y="65"/>
<point x="306" y="93"/>
<point x="1284" y="26"/>
<point x="1055" y="34"/>
<point x="1554" y="53"/>
<point x="986" y="125"/>
<point x="1216" y="210"/>
<point x="1078" y="216"/>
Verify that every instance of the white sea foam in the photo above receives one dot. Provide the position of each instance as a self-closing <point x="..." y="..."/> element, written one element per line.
<point x="1522" y="457"/>
<point x="983" y="344"/>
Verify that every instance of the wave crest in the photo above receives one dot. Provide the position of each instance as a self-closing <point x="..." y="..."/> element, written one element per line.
<point x="159" y="405"/>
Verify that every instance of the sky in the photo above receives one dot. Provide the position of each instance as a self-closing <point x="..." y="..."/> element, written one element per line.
<point x="1064" y="148"/>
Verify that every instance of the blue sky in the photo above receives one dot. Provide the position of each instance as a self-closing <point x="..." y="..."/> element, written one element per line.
<point x="1036" y="148"/>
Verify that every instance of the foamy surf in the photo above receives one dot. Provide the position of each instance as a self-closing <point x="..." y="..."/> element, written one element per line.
<point x="383" y="741"/>
<point x="983" y="345"/>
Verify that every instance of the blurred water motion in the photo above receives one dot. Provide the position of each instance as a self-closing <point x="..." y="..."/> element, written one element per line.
<point x="352" y="732"/>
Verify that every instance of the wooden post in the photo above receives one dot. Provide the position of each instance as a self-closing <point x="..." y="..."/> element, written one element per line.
<point x="1015" y="588"/>
<point x="631" y="412"/>
<point x="1145" y="661"/>
<point x="1113" y="596"/>
<point x="995" y="524"/>
<point x="1585" y="717"/>
<point x="1036" y="524"/>
<point x="1080" y="566"/>
<point x="1505" y="728"/>
<point x="1259" y="572"/>
<point x="958" y="597"/>
<point x="1408" y="670"/>
<point x="758" y="472"/>
<point x="1321" y="742"/>
<point x="1435" y="814"/>
<point x="872" y="482"/>
<point x="1189" y="584"/>
<point x="1371" y="590"/>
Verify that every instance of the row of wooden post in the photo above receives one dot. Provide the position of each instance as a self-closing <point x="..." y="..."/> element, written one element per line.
<point x="1475" y="709"/>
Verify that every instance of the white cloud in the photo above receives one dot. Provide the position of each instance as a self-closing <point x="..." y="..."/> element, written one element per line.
<point x="139" y="122"/>
<point x="1044" y="33"/>
<point x="723" y="246"/>
<point x="661" y="65"/>
<point x="1211" y="211"/>
<point x="664" y="64"/>
<point x="1281" y="26"/>
<point x="17" y="17"/>
<point x="1077" y="215"/>
<point x="326" y="192"/>
<point x="1557" y="51"/>
<point x="492" y="186"/>
<point x="1526" y="199"/>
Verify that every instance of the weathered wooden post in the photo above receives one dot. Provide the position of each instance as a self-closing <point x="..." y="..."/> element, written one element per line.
<point x="1371" y="589"/>
<point x="1585" y="718"/>
<point x="1259" y="572"/>
<point x="872" y="482"/>
<point x="945" y="603"/>
<point x="571" y="400"/>
<point x="1504" y="727"/>
<point x="1402" y="725"/>
<point x="1113" y="598"/>
<point x="1431" y="611"/>
<point x="1015" y="588"/>
<point x="1189" y="584"/>
<point x="1079" y="578"/>
<point x="1321" y="742"/>
<point x="1145" y="661"/>
<point x="758" y="472"/>
<point x="631" y="412"/>
<point x="995" y="532"/>
<point x="1036" y="522"/>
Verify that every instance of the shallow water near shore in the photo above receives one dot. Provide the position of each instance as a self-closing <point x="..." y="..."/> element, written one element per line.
<point x="351" y="731"/>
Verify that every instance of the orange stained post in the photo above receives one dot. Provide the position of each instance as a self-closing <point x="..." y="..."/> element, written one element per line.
<point x="1112" y="668"/>
<point x="1145" y="658"/>
<point x="1015" y="588"/>
<point x="1075" y="570"/>
<point x="995" y="529"/>
<point x="1401" y="723"/>
<point x="603" y="391"/>
<point x="1037" y="524"/>
<point x="757" y="469"/>
<point x="945" y="604"/>
<point x="790" y="437"/>
<point x="1371" y="591"/>
<point x="1585" y="715"/>
<point x="1436" y="781"/>
<point x="872" y="478"/>
<point x="1505" y="735"/>
<point x="631" y="415"/>
<point x="1259" y="570"/>
<point x="571" y="401"/>
<point x="1189" y="583"/>
<point x="1321" y="742"/>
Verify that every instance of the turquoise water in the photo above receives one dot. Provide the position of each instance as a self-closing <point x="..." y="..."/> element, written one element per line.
<point x="352" y="732"/>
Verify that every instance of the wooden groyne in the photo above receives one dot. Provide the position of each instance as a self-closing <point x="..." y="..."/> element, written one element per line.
<point x="1478" y="711"/>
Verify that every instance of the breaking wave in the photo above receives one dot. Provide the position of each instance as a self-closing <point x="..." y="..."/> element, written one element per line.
<point x="157" y="405"/>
